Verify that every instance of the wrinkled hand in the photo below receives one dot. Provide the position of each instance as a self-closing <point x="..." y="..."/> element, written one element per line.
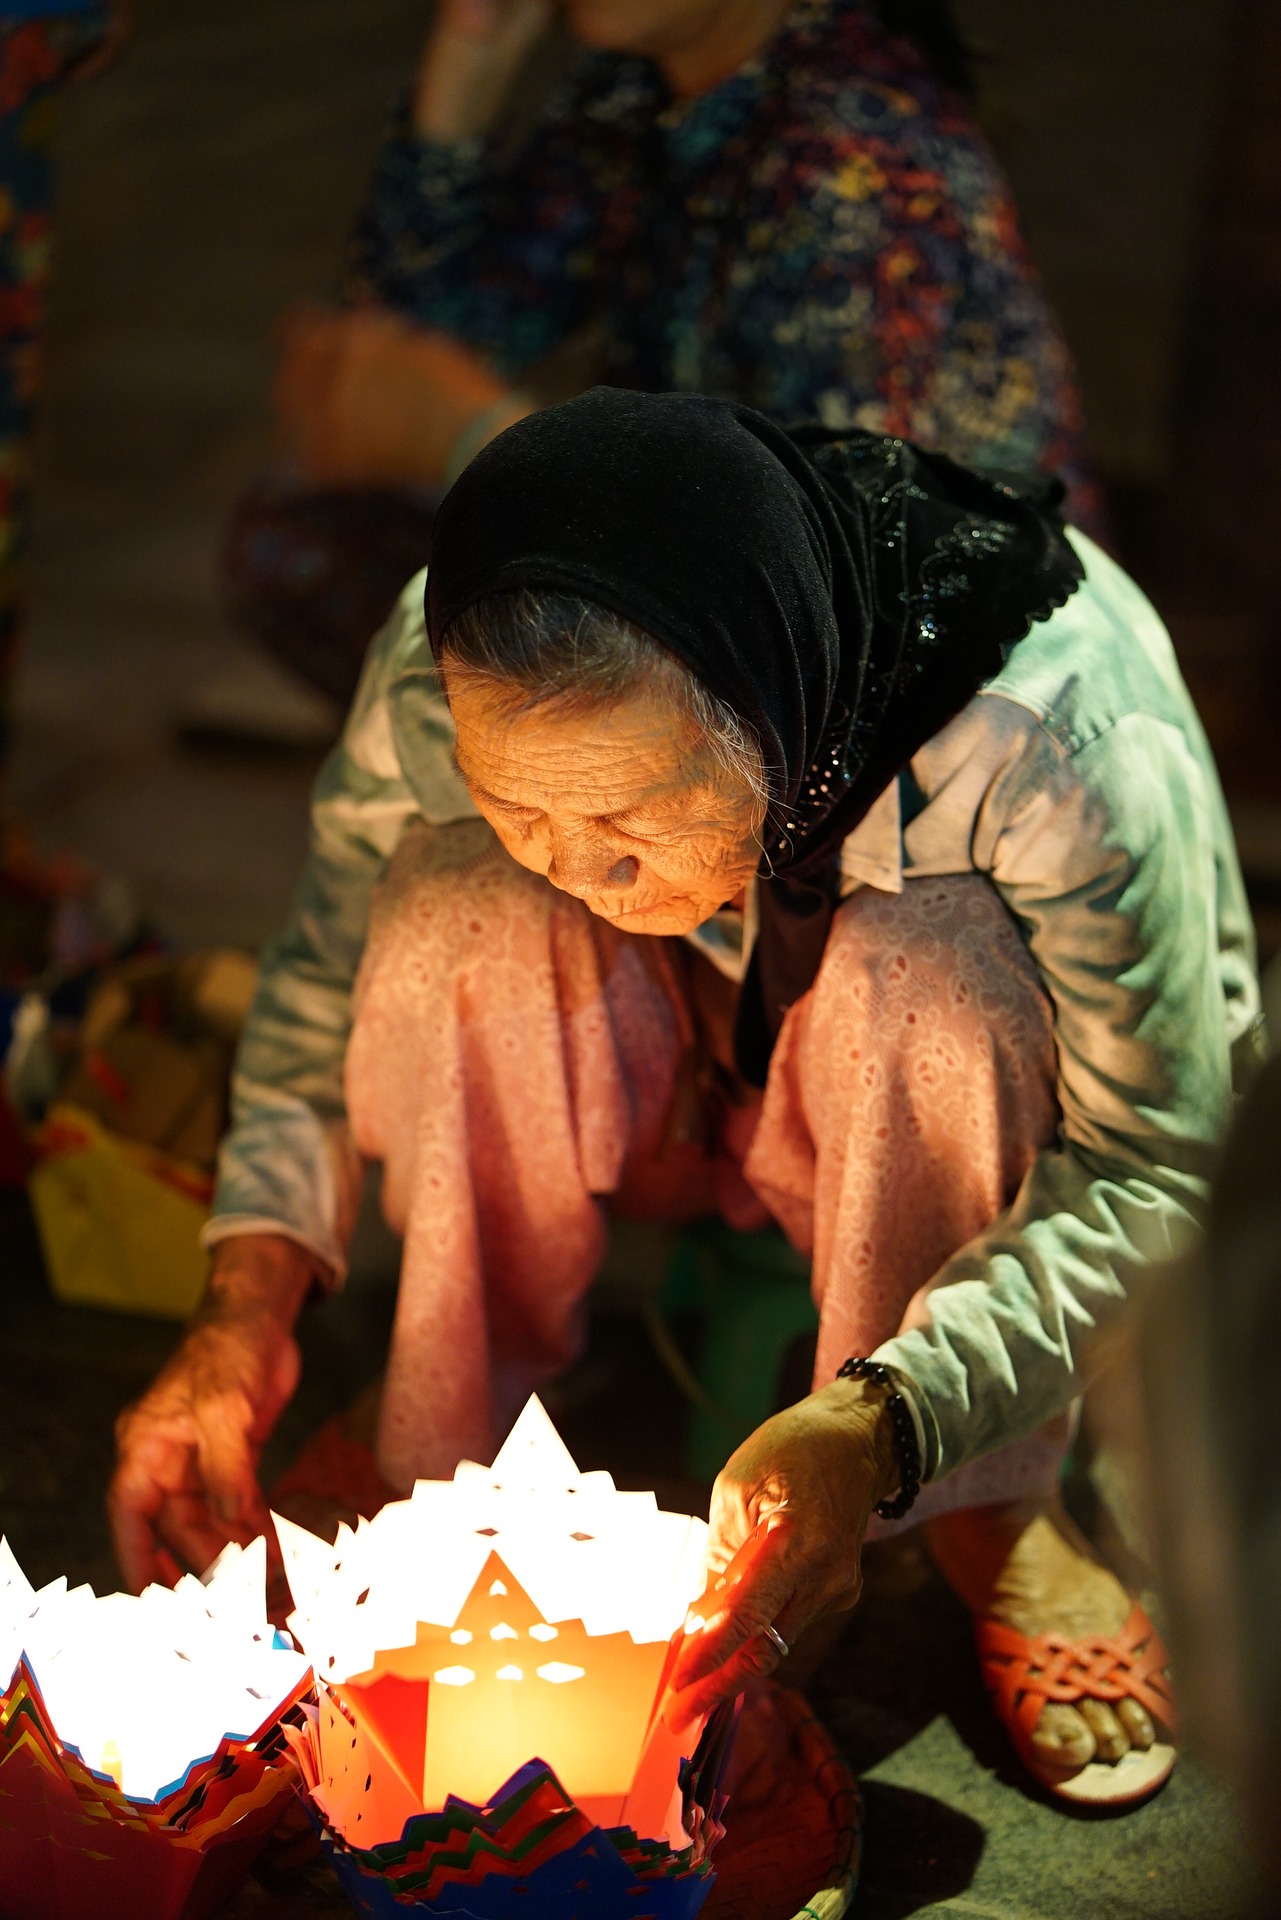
<point x="186" y="1478"/>
<point x="788" y="1516"/>
<point x="364" y="398"/>
<point x="475" y="51"/>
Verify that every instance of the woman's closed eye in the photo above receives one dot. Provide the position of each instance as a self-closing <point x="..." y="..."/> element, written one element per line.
<point x="630" y="826"/>
<point x="509" y="809"/>
<point x="624" y="825"/>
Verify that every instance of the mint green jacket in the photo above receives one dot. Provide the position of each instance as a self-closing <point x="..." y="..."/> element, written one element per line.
<point x="1080" y="783"/>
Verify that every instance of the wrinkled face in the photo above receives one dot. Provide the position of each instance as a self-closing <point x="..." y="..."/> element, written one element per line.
<point x="622" y="806"/>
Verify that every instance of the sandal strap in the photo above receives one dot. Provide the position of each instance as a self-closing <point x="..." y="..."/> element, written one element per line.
<point x="1028" y="1672"/>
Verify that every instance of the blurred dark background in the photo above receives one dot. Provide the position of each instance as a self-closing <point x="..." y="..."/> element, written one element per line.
<point x="207" y="183"/>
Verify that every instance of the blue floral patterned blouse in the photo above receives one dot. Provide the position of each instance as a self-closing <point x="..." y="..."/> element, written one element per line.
<point x="825" y="235"/>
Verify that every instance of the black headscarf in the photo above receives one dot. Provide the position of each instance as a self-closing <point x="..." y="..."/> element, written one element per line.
<point x="844" y="594"/>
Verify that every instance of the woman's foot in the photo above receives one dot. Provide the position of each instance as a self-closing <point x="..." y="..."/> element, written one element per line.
<point x="1030" y="1568"/>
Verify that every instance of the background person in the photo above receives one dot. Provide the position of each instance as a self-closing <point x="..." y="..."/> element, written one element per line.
<point x="785" y="205"/>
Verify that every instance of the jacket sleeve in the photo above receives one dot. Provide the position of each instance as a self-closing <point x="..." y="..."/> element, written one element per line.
<point x="1106" y="857"/>
<point x="495" y="248"/>
<point x="287" y="1164"/>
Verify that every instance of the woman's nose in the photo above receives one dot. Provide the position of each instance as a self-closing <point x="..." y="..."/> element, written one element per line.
<point x="584" y="870"/>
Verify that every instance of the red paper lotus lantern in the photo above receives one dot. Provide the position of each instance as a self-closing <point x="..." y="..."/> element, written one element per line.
<point x="142" y="1756"/>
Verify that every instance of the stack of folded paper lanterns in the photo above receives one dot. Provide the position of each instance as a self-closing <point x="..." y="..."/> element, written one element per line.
<point x="142" y="1756"/>
<point x="491" y="1657"/>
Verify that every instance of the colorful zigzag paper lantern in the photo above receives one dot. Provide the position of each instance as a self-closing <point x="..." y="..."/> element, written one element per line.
<point x="504" y="1634"/>
<point x="142" y="1755"/>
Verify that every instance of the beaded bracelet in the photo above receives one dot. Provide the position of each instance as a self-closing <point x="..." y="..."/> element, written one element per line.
<point x="903" y="1428"/>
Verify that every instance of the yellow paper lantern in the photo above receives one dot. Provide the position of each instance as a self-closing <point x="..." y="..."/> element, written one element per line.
<point x="516" y="1611"/>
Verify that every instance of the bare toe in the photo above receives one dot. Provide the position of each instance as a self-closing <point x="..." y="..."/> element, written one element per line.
<point x="1063" y="1738"/>
<point x="1111" y="1740"/>
<point x="1142" y="1734"/>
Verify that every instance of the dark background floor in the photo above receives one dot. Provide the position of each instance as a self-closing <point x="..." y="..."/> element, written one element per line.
<point x="207" y="184"/>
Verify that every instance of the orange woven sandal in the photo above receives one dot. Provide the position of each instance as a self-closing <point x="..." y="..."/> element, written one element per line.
<point x="1026" y="1673"/>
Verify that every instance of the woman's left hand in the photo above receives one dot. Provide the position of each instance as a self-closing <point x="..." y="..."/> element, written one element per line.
<point x="788" y="1516"/>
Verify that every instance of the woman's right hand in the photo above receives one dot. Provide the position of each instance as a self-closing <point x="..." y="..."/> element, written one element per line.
<point x="473" y="54"/>
<point x="186" y="1478"/>
<point x="785" y="1540"/>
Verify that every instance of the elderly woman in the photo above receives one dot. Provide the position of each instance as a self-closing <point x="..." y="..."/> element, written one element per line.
<point x="798" y="824"/>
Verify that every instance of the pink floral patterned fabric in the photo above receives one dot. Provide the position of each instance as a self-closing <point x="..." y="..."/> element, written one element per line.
<point x="520" y="1067"/>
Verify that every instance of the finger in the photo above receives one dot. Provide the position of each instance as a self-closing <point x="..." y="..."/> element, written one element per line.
<point x="730" y="1525"/>
<point x="256" y="1522"/>
<point x="135" y="1545"/>
<point x="810" y="1603"/>
<point x="750" y="1595"/>
<point x="227" y="1464"/>
<point x="170" y="1573"/>
<point x="193" y="1535"/>
<point x="755" y="1659"/>
<point x="759" y="1656"/>
<point x="137" y="1491"/>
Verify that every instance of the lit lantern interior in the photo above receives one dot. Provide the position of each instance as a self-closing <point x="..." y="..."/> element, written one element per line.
<point x="517" y="1611"/>
<point x="143" y="1687"/>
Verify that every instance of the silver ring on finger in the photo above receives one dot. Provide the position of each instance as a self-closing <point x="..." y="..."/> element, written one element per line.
<point x="773" y="1634"/>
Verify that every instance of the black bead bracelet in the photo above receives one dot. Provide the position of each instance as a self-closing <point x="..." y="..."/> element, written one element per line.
<point x="903" y="1428"/>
